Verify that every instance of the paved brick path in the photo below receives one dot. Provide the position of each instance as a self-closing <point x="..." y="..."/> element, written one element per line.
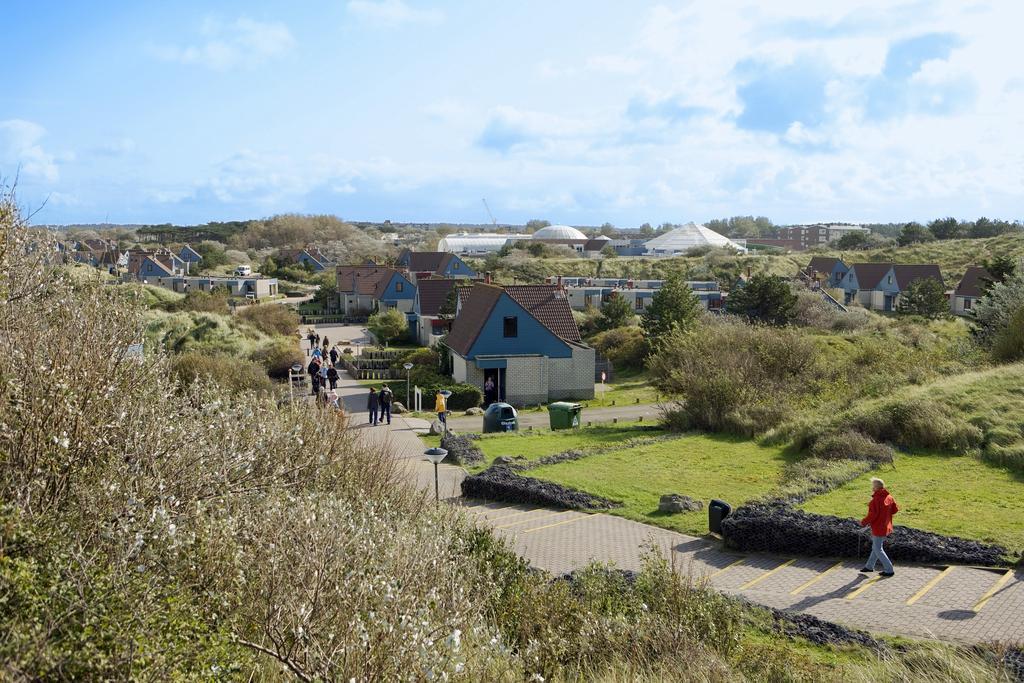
<point x="960" y="603"/>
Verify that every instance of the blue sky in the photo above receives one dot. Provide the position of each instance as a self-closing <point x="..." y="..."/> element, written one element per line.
<point x="578" y="112"/>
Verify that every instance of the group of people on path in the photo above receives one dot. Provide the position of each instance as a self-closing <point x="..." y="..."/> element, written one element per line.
<point x="323" y="370"/>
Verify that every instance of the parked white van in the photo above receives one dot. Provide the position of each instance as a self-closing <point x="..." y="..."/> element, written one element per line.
<point x="243" y="271"/>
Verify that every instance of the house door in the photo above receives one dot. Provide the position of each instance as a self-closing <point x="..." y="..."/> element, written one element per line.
<point x="888" y="302"/>
<point x="494" y="385"/>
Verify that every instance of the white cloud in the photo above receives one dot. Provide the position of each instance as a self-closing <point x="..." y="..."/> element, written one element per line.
<point x="393" y="12"/>
<point x="19" y="146"/>
<point x="242" y="43"/>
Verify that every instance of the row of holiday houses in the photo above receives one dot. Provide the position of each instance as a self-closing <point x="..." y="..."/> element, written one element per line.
<point x="879" y="286"/>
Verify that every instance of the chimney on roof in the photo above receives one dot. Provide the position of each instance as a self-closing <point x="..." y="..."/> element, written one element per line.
<point x="559" y="281"/>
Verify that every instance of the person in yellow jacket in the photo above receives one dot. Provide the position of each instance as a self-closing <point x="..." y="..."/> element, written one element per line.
<point x="441" y="408"/>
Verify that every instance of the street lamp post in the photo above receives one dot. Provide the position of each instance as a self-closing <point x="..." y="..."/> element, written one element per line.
<point x="436" y="455"/>
<point x="408" y="367"/>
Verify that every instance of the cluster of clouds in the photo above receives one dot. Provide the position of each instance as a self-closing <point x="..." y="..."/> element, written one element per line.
<point x="850" y="109"/>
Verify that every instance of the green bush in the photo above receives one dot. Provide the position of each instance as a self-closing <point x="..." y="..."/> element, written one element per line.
<point x="623" y="346"/>
<point x="278" y="356"/>
<point x="215" y="301"/>
<point x="463" y="396"/>
<point x="1008" y="342"/>
<point x="729" y="376"/>
<point x="271" y="318"/>
<point x="851" y="445"/>
<point x="224" y="370"/>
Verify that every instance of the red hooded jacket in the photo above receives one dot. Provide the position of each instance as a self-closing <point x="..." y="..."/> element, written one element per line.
<point x="880" y="511"/>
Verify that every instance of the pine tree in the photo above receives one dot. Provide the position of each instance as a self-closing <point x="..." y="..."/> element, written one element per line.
<point x="672" y="307"/>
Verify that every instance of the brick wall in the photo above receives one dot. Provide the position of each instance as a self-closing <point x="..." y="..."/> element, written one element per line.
<point x="526" y="380"/>
<point x="572" y="377"/>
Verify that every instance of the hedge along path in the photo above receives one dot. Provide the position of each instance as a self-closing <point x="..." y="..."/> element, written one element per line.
<point x="967" y="604"/>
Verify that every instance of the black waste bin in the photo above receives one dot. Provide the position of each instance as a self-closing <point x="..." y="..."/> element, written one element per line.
<point x="717" y="511"/>
<point x="500" y="417"/>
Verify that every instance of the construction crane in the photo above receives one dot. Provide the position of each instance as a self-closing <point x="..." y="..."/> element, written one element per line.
<point x="494" y="221"/>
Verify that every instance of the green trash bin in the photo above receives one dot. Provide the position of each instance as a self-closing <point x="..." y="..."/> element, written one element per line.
<point x="564" y="415"/>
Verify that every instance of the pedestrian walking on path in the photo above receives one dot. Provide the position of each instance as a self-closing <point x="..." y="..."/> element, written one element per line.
<point x="326" y="343"/>
<point x="334" y="355"/>
<point x="332" y="377"/>
<point x="441" y="408"/>
<point x="323" y="375"/>
<point x="372" y="404"/>
<point x="311" y="337"/>
<point x="386" y="398"/>
<point x="880" y="511"/>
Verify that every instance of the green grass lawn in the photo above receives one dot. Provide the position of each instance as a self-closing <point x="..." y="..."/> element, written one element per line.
<point x="538" y="443"/>
<point x="958" y="495"/>
<point x="700" y="466"/>
<point x="627" y="388"/>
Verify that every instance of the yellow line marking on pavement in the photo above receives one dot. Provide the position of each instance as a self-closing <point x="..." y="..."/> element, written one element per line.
<point x="930" y="585"/>
<point x="483" y="509"/>
<point x="514" y="514"/>
<point x="728" y="567"/>
<point x="1000" y="582"/>
<point x="564" y="521"/>
<point x="863" y="587"/>
<point x="754" y="582"/>
<point x="816" y="579"/>
<point x="535" y="519"/>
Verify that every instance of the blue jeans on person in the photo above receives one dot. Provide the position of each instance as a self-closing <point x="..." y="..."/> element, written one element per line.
<point x="878" y="554"/>
<point x="385" y="411"/>
<point x="373" y="416"/>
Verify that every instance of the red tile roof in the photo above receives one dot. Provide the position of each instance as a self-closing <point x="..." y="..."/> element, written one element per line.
<point x="432" y="294"/>
<point x="869" y="275"/>
<point x="974" y="282"/>
<point x="546" y="303"/>
<point x="475" y="310"/>
<point x="907" y="274"/>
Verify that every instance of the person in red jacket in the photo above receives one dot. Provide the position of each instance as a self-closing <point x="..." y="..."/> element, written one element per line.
<point x="880" y="511"/>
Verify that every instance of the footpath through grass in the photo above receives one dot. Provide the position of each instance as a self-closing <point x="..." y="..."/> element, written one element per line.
<point x="946" y="494"/>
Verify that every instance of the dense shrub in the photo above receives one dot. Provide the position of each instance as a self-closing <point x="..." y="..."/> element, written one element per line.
<point x="463" y="395"/>
<point x="203" y="302"/>
<point x="623" y="346"/>
<point x="851" y="445"/>
<point x="733" y="377"/>
<point x="918" y="424"/>
<point x="763" y="298"/>
<point x="278" y="356"/>
<point x="812" y="311"/>
<point x="1008" y="342"/>
<point x="271" y="319"/>
<point x="234" y="374"/>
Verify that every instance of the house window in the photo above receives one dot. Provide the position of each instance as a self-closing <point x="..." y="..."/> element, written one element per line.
<point x="511" y="327"/>
<point x="889" y="279"/>
<point x="455" y="266"/>
<point x="967" y="304"/>
<point x="639" y="304"/>
<point x="398" y="286"/>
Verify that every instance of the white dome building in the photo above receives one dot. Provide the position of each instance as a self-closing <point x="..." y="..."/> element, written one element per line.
<point x="691" y="235"/>
<point x="559" y="232"/>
